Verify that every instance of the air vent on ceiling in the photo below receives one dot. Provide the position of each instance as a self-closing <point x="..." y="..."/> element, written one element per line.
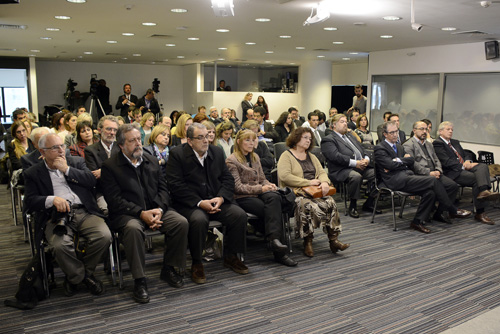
<point x="160" y="36"/>
<point x="470" y="32"/>
<point x="13" y="26"/>
<point x="113" y="54"/>
<point x="321" y="50"/>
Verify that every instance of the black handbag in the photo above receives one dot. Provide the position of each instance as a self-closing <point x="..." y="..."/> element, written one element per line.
<point x="287" y="200"/>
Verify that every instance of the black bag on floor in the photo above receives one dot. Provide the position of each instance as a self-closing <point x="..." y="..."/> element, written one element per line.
<point x="30" y="290"/>
<point x="287" y="200"/>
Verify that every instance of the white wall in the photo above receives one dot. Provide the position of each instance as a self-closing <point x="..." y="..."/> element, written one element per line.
<point x="458" y="58"/>
<point x="350" y="74"/>
<point x="53" y="76"/>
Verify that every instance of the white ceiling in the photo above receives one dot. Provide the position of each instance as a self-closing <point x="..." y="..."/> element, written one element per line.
<point x="95" y="22"/>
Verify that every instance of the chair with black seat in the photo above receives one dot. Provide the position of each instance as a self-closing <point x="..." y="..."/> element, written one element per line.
<point x="383" y="189"/>
<point x="16" y="190"/>
<point x="488" y="158"/>
<point x="279" y="148"/>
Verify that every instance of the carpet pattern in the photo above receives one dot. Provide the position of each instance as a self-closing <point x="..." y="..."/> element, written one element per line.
<point x="386" y="282"/>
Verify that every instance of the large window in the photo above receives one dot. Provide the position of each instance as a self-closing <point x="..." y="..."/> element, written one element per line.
<point x="471" y="102"/>
<point x="251" y="78"/>
<point x="413" y="97"/>
<point x="13" y="92"/>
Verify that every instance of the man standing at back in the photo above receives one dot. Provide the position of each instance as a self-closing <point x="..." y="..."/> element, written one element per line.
<point x="359" y="100"/>
<point x="202" y="189"/>
<point x="126" y="100"/>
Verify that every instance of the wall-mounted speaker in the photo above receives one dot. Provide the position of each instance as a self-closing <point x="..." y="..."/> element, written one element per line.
<point x="491" y="50"/>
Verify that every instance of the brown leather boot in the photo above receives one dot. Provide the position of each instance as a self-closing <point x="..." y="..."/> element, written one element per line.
<point x="335" y="244"/>
<point x="308" y="246"/>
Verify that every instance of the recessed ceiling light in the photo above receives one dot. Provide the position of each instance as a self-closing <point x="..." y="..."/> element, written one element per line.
<point x="128" y="34"/>
<point x="31" y="55"/>
<point x="114" y="61"/>
<point x="269" y="51"/>
<point x="169" y="44"/>
<point x="338" y="43"/>
<point x="320" y="56"/>
<point x="222" y="30"/>
<point x="353" y="53"/>
<point x="148" y="24"/>
<point x="222" y="49"/>
<point x="111" y="42"/>
<point x="46" y="38"/>
<point x="35" y="50"/>
<point x="292" y="63"/>
<point x="136" y="55"/>
<point x="285" y="36"/>
<point x="250" y="43"/>
<point x="88" y="53"/>
<point x="300" y="48"/>
<point x="165" y="59"/>
<point x="329" y="28"/>
<point x="386" y="36"/>
<point x="449" y="29"/>
<point x="193" y="39"/>
<point x="77" y="1"/>
<point x="262" y="19"/>
<point x="124" y="58"/>
<point x="80" y="57"/>
<point x="391" y="18"/>
<point x="221" y="59"/>
<point x="62" y="17"/>
<point x="52" y="29"/>
<point x="359" y="24"/>
<point x="181" y="57"/>
<point x="267" y="61"/>
<point x="178" y="10"/>
<point x="346" y="58"/>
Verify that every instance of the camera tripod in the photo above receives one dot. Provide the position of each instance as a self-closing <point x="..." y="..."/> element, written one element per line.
<point x="93" y="111"/>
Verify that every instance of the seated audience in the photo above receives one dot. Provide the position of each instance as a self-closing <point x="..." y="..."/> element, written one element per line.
<point x="261" y="149"/>
<point x="362" y="130"/>
<point x="210" y="132"/>
<point x="199" y="118"/>
<point x="147" y="124"/>
<point x="401" y="133"/>
<point x="29" y="126"/>
<point x="183" y="124"/>
<point x="34" y="156"/>
<point x="166" y="121"/>
<point x="256" y="195"/>
<point x="266" y="129"/>
<point x="353" y="116"/>
<point x="158" y="145"/>
<point x="458" y="166"/>
<point x="380" y="130"/>
<point x="298" y="168"/>
<point x="312" y="123"/>
<point x="58" y="123"/>
<point x="202" y="190"/>
<point x="235" y="119"/>
<point x="297" y="119"/>
<point x="261" y="102"/>
<point x="84" y="137"/>
<point x="214" y="114"/>
<point x="20" y="145"/>
<point x="59" y="186"/>
<point x="173" y="116"/>
<point x="284" y="126"/>
<point x="224" y="137"/>
<point x="137" y="115"/>
<point x="321" y="120"/>
<point x="139" y="204"/>
<point x="429" y="130"/>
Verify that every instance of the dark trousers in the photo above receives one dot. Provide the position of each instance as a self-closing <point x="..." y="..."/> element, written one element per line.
<point x="231" y="216"/>
<point x="478" y="178"/>
<point x="451" y="189"/>
<point x="267" y="207"/>
<point x="355" y="179"/>
<point x="425" y="187"/>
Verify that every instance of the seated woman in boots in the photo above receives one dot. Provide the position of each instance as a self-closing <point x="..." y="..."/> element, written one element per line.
<point x="298" y="168"/>
<point x="255" y="194"/>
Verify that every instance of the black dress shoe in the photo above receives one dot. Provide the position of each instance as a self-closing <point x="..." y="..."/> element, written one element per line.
<point x="94" y="285"/>
<point x="69" y="288"/>
<point x="419" y="227"/>
<point x="276" y="246"/>
<point x="442" y="217"/>
<point x="370" y="209"/>
<point x="353" y="213"/>
<point x="169" y="275"/>
<point x="285" y="260"/>
<point x="141" y="291"/>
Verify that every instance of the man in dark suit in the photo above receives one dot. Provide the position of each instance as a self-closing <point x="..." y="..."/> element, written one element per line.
<point x="148" y="103"/>
<point x="353" y="117"/>
<point x="394" y="167"/>
<point x="427" y="163"/>
<point x="63" y="187"/>
<point x="138" y="199"/>
<point x="202" y="189"/>
<point x="459" y="167"/>
<point x="347" y="161"/>
<point x="126" y="100"/>
<point x="297" y="119"/>
<point x="266" y="129"/>
<point x="380" y="127"/>
<point x="401" y="133"/>
<point x="312" y="123"/>
<point x="97" y="153"/>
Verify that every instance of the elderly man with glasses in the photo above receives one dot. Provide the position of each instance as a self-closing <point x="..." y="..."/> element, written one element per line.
<point x="202" y="189"/>
<point x="60" y="191"/>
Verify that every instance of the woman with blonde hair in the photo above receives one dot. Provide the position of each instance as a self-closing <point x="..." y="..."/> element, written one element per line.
<point x="211" y="131"/>
<point x="256" y="195"/>
<point x="180" y="136"/>
<point x="147" y="124"/>
<point x="224" y="137"/>
<point x="20" y="145"/>
<point x="157" y="145"/>
<point x="298" y="168"/>
<point x="246" y="104"/>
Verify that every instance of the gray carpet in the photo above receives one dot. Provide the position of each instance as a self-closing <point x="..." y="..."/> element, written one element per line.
<point x="386" y="282"/>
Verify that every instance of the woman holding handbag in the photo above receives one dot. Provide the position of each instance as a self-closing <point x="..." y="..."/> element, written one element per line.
<point x="298" y="169"/>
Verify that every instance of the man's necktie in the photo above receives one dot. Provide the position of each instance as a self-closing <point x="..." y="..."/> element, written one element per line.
<point x="395" y="148"/>
<point x="456" y="152"/>
<point x="357" y="153"/>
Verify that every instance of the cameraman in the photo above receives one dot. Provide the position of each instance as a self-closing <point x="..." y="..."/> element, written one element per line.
<point x="50" y="186"/>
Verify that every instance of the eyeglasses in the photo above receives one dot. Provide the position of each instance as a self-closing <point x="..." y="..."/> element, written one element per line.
<point x="200" y="137"/>
<point x="392" y="133"/>
<point x="421" y="129"/>
<point x="55" y="148"/>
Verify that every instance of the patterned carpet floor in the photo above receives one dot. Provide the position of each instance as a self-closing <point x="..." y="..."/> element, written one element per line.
<point x="386" y="282"/>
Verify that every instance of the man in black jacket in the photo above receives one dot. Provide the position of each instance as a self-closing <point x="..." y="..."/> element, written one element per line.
<point x="138" y="199"/>
<point x="126" y="100"/>
<point x="63" y="187"/>
<point x="148" y="103"/>
<point x="202" y="189"/>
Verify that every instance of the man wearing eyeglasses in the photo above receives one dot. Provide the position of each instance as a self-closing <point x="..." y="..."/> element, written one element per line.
<point x="395" y="166"/>
<point x="64" y="185"/>
<point x="427" y="163"/>
<point x="138" y="199"/>
<point x="202" y="189"/>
